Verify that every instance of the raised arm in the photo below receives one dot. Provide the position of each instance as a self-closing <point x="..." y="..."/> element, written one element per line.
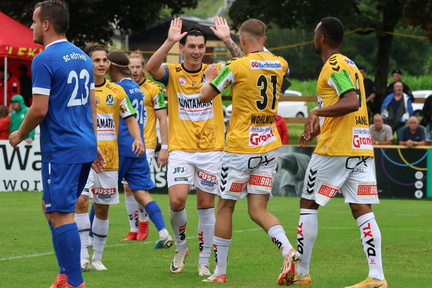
<point x="223" y="32"/>
<point x="153" y="66"/>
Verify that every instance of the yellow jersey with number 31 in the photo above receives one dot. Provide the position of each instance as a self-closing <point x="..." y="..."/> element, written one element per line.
<point x="255" y="81"/>
<point x="346" y="135"/>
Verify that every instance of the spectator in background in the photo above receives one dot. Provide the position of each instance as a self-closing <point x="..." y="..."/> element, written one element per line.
<point x="370" y="93"/>
<point x="381" y="133"/>
<point x="19" y="111"/>
<point x="397" y="77"/>
<point x="397" y="108"/>
<point x="282" y="129"/>
<point x="13" y="86"/>
<point x="427" y="119"/>
<point x="413" y="134"/>
<point x="4" y="122"/>
<point x="26" y="84"/>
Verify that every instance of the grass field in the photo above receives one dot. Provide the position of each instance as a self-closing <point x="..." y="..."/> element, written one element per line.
<point x="27" y="260"/>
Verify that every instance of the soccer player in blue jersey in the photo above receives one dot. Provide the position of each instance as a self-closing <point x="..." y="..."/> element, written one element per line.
<point x="64" y="107"/>
<point x="135" y="169"/>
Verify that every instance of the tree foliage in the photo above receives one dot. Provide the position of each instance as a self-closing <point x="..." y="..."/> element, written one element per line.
<point x="94" y="20"/>
<point x="381" y="15"/>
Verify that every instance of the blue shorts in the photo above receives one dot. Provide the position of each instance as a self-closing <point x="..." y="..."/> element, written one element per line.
<point x="62" y="185"/>
<point x="136" y="172"/>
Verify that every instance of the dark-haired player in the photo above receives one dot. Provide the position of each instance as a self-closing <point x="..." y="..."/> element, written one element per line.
<point x="64" y="106"/>
<point x="343" y="158"/>
<point x="196" y="134"/>
<point x="112" y="103"/>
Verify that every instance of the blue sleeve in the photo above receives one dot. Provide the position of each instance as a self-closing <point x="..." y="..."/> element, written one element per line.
<point x="410" y="108"/>
<point x="41" y="74"/>
<point x="164" y="80"/>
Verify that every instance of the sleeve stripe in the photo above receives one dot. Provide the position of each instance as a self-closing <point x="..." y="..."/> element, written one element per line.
<point x="42" y="91"/>
<point x="214" y="87"/>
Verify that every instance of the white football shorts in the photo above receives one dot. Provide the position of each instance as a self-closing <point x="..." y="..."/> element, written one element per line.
<point x="353" y="176"/>
<point x="247" y="173"/>
<point x="200" y="169"/>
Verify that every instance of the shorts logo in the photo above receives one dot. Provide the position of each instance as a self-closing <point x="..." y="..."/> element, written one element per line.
<point x="259" y="180"/>
<point x="179" y="179"/>
<point x="364" y="190"/>
<point x="237" y="187"/>
<point x="104" y="191"/>
<point x="180" y="170"/>
<point x="207" y="179"/>
<point x="328" y="190"/>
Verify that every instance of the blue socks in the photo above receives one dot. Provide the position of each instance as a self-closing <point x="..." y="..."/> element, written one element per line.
<point x="155" y="215"/>
<point x="68" y="246"/>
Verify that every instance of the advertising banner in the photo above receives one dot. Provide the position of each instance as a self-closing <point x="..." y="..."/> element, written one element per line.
<point x="401" y="172"/>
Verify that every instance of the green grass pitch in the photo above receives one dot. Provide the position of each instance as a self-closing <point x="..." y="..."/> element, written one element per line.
<point x="27" y="260"/>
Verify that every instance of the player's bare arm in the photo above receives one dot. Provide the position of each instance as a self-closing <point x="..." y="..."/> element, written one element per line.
<point x="161" y="115"/>
<point x="138" y="146"/>
<point x="174" y="35"/>
<point x="207" y="93"/>
<point x="34" y="116"/>
<point x="223" y="32"/>
<point x="99" y="163"/>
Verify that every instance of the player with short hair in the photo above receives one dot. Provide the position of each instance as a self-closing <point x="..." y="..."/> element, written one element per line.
<point x="196" y="135"/>
<point x="112" y="103"/>
<point x="134" y="169"/>
<point x="343" y="158"/>
<point x="64" y="106"/>
<point x="154" y="103"/>
<point x="250" y="156"/>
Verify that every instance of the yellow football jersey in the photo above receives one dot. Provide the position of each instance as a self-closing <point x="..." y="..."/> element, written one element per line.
<point x="347" y="135"/>
<point x="111" y="102"/>
<point x="193" y="126"/>
<point x="256" y="81"/>
<point x="153" y="100"/>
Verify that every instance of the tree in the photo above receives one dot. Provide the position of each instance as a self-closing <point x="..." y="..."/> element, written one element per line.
<point x="95" y="20"/>
<point x="381" y="15"/>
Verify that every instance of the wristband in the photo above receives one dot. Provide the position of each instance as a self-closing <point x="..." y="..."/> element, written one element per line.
<point x="165" y="147"/>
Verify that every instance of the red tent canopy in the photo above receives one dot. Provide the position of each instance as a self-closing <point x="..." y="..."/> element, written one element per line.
<point x="16" y="46"/>
<point x="16" y="39"/>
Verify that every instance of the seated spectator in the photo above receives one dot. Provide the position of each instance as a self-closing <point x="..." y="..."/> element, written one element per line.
<point x="17" y="116"/>
<point x="282" y="129"/>
<point x="4" y="122"/>
<point x="397" y="77"/>
<point x="381" y="133"/>
<point x="413" y="134"/>
<point x="427" y="119"/>
<point x="397" y="108"/>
